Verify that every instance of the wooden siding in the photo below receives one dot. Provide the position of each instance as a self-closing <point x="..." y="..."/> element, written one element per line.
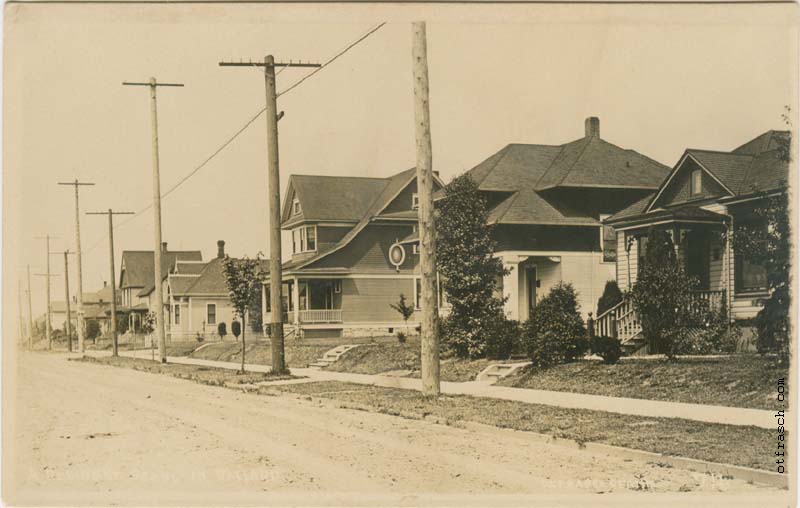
<point x="627" y="262"/>
<point x="368" y="252"/>
<point x="403" y="200"/>
<point x="368" y="300"/>
<point x="678" y="190"/>
<point x="328" y="236"/>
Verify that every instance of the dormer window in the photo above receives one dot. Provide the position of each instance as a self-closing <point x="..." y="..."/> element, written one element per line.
<point x="296" y="207"/>
<point x="414" y="201"/>
<point x="696" y="183"/>
<point x="304" y="239"/>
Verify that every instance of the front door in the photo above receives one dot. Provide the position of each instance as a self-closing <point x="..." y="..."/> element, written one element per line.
<point x="531" y="282"/>
<point x="697" y="257"/>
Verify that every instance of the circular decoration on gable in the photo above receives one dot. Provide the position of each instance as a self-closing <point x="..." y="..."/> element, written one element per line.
<point x="397" y="255"/>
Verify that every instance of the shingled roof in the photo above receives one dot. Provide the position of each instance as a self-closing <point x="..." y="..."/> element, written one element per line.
<point x="208" y="281"/>
<point x="528" y="171"/>
<point x="332" y="198"/>
<point x="139" y="266"/>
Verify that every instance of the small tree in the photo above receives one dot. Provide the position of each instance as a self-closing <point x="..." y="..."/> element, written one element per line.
<point x="405" y="311"/>
<point x="122" y="324"/>
<point x="555" y="332"/>
<point x="469" y="270"/>
<point x="92" y="329"/>
<point x="243" y="279"/>
<point x="222" y="330"/>
<point x="236" y="329"/>
<point x="662" y="295"/>
<point x="611" y="297"/>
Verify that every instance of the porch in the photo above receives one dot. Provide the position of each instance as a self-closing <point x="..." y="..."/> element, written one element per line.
<point x="310" y="316"/>
<point x="307" y="301"/>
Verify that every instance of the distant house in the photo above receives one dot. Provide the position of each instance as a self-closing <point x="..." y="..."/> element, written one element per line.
<point x="340" y="279"/>
<point x="136" y="279"/>
<point x="700" y="203"/>
<point x="547" y="203"/>
<point x="96" y="307"/>
<point x="197" y="298"/>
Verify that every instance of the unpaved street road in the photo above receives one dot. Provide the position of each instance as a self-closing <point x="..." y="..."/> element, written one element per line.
<point x="90" y="434"/>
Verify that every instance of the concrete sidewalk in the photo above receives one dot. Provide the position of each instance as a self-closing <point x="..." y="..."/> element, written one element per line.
<point x="639" y="407"/>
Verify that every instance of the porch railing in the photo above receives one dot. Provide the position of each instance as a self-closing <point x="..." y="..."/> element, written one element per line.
<point x="620" y="321"/>
<point x="313" y="316"/>
<point x="708" y="300"/>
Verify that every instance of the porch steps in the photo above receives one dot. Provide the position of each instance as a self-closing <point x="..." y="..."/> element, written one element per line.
<point x="497" y="371"/>
<point x="332" y="355"/>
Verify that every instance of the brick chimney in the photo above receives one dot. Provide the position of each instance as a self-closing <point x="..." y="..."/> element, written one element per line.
<point x="163" y="246"/>
<point x="592" y="127"/>
<point x="220" y="249"/>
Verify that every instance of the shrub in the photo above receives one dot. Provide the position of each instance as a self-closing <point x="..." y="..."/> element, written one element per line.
<point x="200" y="338"/>
<point x="555" y="332"/>
<point x="122" y="324"/>
<point x="222" y="330"/>
<point x="401" y="337"/>
<point x="712" y="334"/>
<point x="607" y="348"/>
<point x="611" y="297"/>
<point x="502" y="337"/>
<point x="92" y="329"/>
<point x="236" y="329"/>
<point x="405" y="310"/>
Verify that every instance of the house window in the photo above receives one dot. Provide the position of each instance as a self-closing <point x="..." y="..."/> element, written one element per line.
<point x="414" y="201"/>
<point x="296" y="209"/>
<point x="749" y="272"/>
<point x="417" y="293"/>
<point x="176" y="315"/>
<point x="415" y="248"/>
<point x="696" y="183"/>
<point x="441" y="295"/>
<point x="337" y="286"/>
<point x="608" y="241"/>
<point x="304" y="239"/>
<point x="211" y="313"/>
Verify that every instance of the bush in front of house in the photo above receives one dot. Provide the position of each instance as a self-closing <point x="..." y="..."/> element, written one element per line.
<point x="662" y="296"/>
<point x="502" y="337"/>
<point x="611" y="296"/>
<point x="92" y="329"/>
<point x="222" y="330"/>
<point x="711" y="334"/>
<point x="607" y="348"/>
<point x="555" y="333"/>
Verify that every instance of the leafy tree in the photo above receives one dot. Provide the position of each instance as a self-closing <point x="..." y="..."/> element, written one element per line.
<point x="236" y="329"/>
<point x="222" y="330"/>
<point x="768" y="240"/>
<point x="662" y="295"/>
<point x="555" y="332"/>
<point x="611" y="296"/>
<point x="405" y="311"/>
<point x="243" y="280"/>
<point x="92" y="329"/>
<point x="122" y="324"/>
<point x="465" y="261"/>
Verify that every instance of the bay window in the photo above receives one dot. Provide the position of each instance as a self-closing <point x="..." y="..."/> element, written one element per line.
<point x="304" y="239"/>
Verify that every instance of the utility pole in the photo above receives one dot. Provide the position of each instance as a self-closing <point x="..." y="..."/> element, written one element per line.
<point x="427" y="226"/>
<point x="21" y="338"/>
<point x="274" y="193"/>
<point x="79" y="311"/>
<point x="68" y="322"/>
<point x="30" y="313"/>
<point x="47" y="275"/>
<point x="153" y="84"/>
<point x="111" y="215"/>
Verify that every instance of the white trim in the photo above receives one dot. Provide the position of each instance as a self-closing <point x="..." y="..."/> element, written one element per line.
<point x="669" y="221"/>
<point x="297" y="209"/>
<point x="675" y="170"/>
<point x="415" y="200"/>
<point x="542" y="253"/>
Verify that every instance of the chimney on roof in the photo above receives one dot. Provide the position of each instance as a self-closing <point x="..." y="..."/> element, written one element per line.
<point x="220" y="249"/>
<point x="163" y="246"/>
<point x="592" y="127"/>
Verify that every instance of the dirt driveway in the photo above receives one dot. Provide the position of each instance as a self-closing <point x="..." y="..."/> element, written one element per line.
<point x="89" y="434"/>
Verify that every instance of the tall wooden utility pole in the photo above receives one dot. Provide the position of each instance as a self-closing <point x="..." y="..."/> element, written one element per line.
<point x="68" y="323"/>
<point x="47" y="275"/>
<point x="79" y="311"/>
<point x="274" y="193"/>
<point x="427" y="226"/>
<point x="30" y="312"/>
<point x="111" y="213"/>
<point x="153" y="84"/>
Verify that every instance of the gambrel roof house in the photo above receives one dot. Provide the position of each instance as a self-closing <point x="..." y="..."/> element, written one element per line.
<point x="340" y="279"/>
<point x="547" y="203"/>
<point x="700" y="203"/>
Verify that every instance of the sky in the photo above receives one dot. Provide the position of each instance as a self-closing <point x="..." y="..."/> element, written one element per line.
<point x="660" y="78"/>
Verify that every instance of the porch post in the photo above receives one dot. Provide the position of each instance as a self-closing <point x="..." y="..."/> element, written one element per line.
<point x="296" y="300"/>
<point x="264" y="319"/>
<point x="511" y="287"/>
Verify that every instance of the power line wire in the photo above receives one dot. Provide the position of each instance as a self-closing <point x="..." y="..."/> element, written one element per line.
<point x="239" y="132"/>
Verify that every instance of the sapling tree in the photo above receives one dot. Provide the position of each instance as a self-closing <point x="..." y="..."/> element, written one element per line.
<point x="405" y="311"/>
<point x="243" y="280"/>
<point x="222" y="330"/>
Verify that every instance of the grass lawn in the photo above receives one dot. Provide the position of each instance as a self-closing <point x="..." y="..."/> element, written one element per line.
<point x="198" y="373"/>
<point x="743" y="446"/>
<point x="258" y="352"/>
<point x="379" y="358"/>
<point x="745" y="380"/>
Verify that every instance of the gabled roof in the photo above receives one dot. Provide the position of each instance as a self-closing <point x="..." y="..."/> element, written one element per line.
<point x="393" y="185"/>
<point x="210" y="280"/>
<point x="755" y="166"/>
<point x="332" y="198"/>
<point x="139" y="265"/>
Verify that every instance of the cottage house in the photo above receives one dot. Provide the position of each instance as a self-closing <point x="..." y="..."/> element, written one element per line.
<point x="196" y="294"/>
<point x="136" y="279"/>
<point x="341" y="279"/>
<point x="700" y="203"/>
<point x="96" y="307"/>
<point x="546" y="205"/>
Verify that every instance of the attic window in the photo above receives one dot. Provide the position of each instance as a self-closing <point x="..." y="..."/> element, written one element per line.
<point x="296" y="206"/>
<point x="697" y="182"/>
<point x="414" y="201"/>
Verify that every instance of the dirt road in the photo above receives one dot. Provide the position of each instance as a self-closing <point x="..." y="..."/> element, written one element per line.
<point x="89" y="434"/>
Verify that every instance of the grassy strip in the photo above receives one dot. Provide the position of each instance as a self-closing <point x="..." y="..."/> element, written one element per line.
<point x="197" y="373"/>
<point x="258" y="352"/>
<point x="743" y="446"/>
<point x="379" y="358"/>
<point x="746" y="380"/>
